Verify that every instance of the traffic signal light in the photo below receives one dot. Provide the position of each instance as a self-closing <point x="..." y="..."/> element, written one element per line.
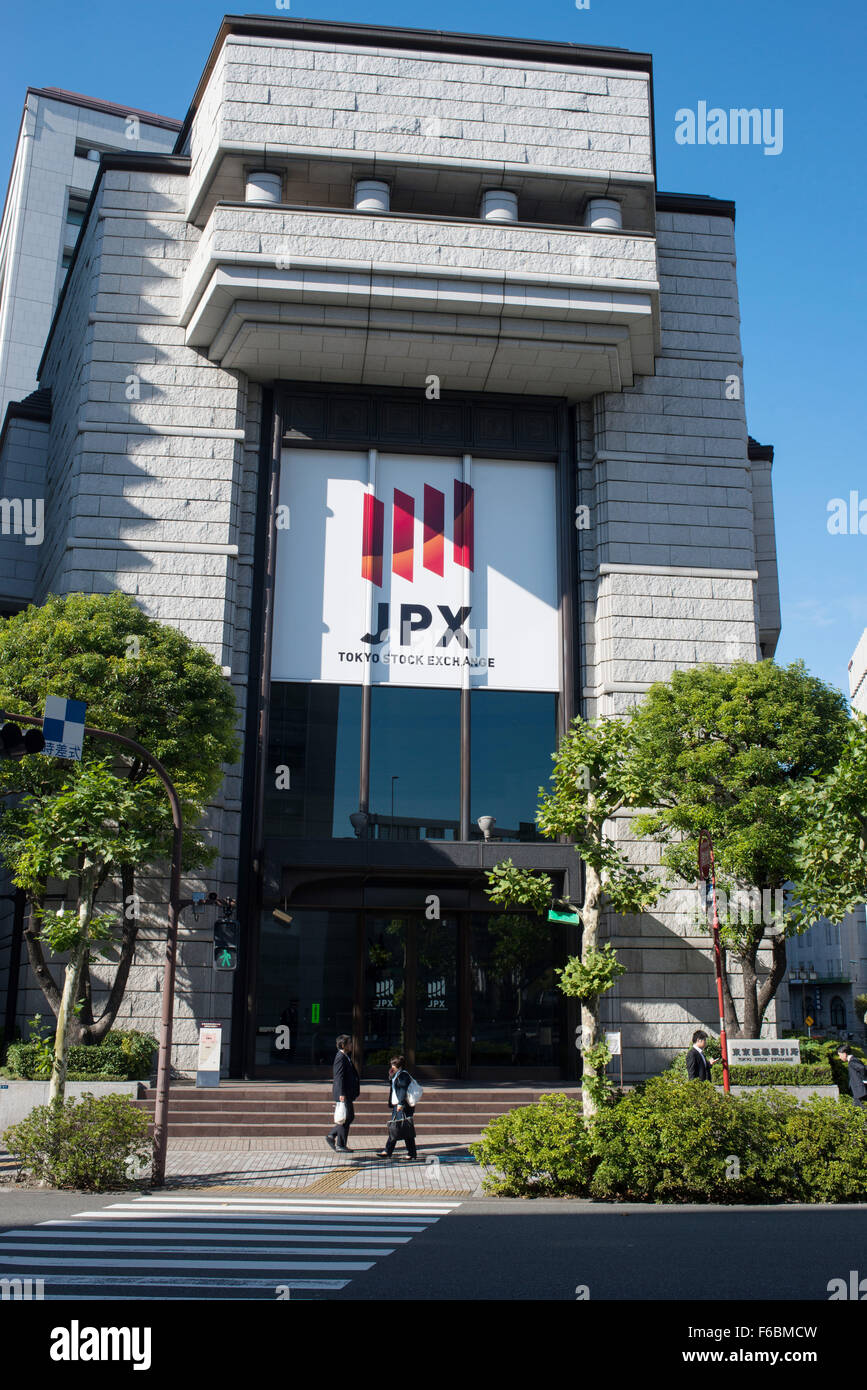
<point x="226" y="944"/>
<point x="14" y="744"/>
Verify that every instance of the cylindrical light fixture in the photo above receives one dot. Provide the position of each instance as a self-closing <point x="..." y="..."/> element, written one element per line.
<point x="372" y="195"/>
<point x="499" y="205"/>
<point x="604" y="215"/>
<point x="486" y="825"/>
<point x="263" y="186"/>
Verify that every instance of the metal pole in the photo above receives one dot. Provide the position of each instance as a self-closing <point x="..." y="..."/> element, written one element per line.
<point x="161" y="1113"/>
<point x="717" y="957"/>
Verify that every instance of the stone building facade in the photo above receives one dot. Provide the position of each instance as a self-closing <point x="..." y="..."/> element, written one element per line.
<point x="373" y="245"/>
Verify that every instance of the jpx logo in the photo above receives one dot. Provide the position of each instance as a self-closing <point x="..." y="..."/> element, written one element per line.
<point x="77" y="1343"/>
<point x="403" y="532"/>
<point x="418" y="617"/>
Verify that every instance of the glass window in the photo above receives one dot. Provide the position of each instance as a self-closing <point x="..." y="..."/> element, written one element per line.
<point x="518" y="1009"/>
<point x="415" y="763"/>
<point x="75" y="211"/>
<point x="513" y="734"/>
<point x="306" y="986"/>
<point x="314" y="745"/>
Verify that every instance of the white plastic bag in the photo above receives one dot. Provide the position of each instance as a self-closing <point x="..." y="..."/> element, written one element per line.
<point x="340" y="1112"/>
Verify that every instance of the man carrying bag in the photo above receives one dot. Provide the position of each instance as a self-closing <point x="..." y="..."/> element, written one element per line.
<point x="345" y="1088"/>
<point x="402" y="1124"/>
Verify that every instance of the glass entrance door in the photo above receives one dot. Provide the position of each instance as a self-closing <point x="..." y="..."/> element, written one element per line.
<point x="410" y="991"/>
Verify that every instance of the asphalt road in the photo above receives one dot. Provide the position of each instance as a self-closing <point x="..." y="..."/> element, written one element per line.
<point x="505" y="1249"/>
<point x="512" y="1250"/>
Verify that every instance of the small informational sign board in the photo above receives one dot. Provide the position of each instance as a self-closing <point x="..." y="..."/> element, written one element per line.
<point x="764" y="1052"/>
<point x="63" y="727"/>
<point x="615" y="1047"/>
<point x="554" y="916"/>
<point x="210" y="1048"/>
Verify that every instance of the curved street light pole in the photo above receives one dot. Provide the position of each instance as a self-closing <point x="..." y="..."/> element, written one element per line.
<point x="161" y="1112"/>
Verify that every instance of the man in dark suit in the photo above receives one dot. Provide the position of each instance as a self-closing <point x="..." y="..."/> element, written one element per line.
<point x="697" y="1065"/>
<point x="345" y="1087"/>
<point x="857" y="1074"/>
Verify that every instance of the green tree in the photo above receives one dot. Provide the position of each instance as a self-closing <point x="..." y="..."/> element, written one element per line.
<point x="592" y="781"/>
<point x="832" y="848"/>
<point x="99" y="820"/>
<point x="718" y="749"/>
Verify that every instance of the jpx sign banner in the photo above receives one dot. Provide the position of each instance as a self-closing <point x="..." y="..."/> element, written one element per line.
<point x="416" y="570"/>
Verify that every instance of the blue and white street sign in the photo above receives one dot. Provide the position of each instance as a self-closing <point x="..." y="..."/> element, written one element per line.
<point x="63" y="727"/>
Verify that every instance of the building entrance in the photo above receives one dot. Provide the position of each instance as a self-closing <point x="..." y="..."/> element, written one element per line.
<point x="410" y="986"/>
<point x="467" y="995"/>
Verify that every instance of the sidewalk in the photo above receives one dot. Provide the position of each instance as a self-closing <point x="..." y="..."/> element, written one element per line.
<point x="307" y="1167"/>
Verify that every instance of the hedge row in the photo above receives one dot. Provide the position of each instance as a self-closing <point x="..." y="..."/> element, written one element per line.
<point x="752" y="1074"/>
<point x="121" y="1056"/>
<point x="668" y="1141"/>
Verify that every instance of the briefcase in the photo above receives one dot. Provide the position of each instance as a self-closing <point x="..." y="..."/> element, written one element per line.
<point x="401" y="1128"/>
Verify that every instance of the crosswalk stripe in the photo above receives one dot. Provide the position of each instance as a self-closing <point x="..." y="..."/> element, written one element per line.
<point x="248" y="1247"/>
<point x="154" y="1224"/>
<point x="212" y="1237"/>
<point x="176" y="1248"/>
<point x="156" y="1281"/>
<point x="123" y="1263"/>
<point x="354" y="1208"/>
<point x="255" y="1220"/>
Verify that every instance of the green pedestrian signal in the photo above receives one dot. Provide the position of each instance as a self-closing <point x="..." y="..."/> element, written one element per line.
<point x="226" y="945"/>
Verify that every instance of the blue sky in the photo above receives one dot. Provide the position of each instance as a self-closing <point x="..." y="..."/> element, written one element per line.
<point x="800" y="224"/>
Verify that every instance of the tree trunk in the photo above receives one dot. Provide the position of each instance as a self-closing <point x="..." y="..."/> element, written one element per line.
<point x="589" y="1007"/>
<point x="72" y="979"/>
<point x="97" y="1031"/>
<point x="36" y="955"/>
<point x="772" y="983"/>
<point x="751" y="1007"/>
<point x="733" y="1027"/>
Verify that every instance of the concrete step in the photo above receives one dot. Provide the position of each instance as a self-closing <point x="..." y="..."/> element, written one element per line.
<point x="289" y="1132"/>
<point x="302" y="1111"/>
<point x="277" y="1111"/>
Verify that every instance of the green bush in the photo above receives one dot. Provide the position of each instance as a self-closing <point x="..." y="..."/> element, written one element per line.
<point x="670" y="1141"/>
<point x="776" y="1074"/>
<point x="541" y="1149"/>
<point x="121" y="1056"/>
<point x="84" y="1144"/>
<point x="826" y="1148"/>
<point x="825" y="1050"/>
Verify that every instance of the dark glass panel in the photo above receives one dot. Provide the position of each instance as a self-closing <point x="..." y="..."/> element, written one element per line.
<point x="518" y="1010"/>
<point x="415" y="752"/>
<point x="513" y="734"/>
<point x="306" y="984"/>
<point x="315" y="732"/>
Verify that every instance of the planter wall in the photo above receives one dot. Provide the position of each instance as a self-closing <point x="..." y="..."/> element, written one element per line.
<point x="18" y="1098"/>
